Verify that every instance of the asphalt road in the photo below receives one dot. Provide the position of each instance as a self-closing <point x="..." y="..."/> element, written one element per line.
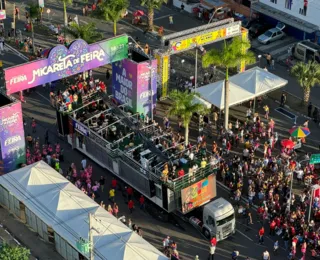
<point x="190" y="242"/>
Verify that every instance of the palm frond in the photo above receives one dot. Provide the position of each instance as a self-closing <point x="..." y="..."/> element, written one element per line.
<point x="184" y="106"/>
<point x="153" y="4"/>
<point x="87" y="32"/>
<point x="231" y="54"/>
<point x="111" y="10"/>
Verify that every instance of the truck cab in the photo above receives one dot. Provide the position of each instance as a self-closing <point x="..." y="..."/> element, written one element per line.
<point x="218" y="219"/>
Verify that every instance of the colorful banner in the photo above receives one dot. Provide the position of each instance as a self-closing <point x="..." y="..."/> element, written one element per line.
<point x="146" y="89"/>
<point x="244" y="36"/>
<point x="3" y="14"/>
<point x="41" y="3"/>
<point x="207" y="37"/>
<point x="124" y="82"/>
<point x="12" y="139"/>
<point x="198" y="194"/>
<point x="80" y="128"/>
<point x="63" y="62"/>
<point x="165" y="76"/>
<point x="202" y="39"/>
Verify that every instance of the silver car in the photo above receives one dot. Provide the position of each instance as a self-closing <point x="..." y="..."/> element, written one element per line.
<point x="271" y="35"/>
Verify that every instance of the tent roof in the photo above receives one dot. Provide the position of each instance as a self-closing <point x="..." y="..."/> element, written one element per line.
<point x="243" y="86"/>
<point x="214" y="93"/>
<point x="65" y="208"/>
<point x="258" y="81"/>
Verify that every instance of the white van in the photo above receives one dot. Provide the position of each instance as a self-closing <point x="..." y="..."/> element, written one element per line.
<point x="306" y="51"/>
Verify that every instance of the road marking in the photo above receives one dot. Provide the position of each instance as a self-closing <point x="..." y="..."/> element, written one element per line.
<point x="164" y="16"/>
<point x="43" y="97"/>
<point x="244" y="235"/>
<point x="129" y="24"/>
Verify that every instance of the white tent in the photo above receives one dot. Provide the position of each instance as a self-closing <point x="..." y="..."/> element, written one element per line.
<point x="258" y="81"/>
<point x="62" y="206"/>
<point x="214" y="93"/>
<point x="243" y="86"/>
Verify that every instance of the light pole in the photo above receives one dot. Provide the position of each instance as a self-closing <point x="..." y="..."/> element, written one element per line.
<point x="313" y="189"/>
<point x="214" y="13"/>
<point x="259" y="57"/>
<point x="291" y="181"/>
<point x="196" y="71"/>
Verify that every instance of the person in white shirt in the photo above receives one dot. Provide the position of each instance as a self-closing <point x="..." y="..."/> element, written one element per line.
<point x="84" y="163"/>
<point x="266" y="255"/>
<point x="191" y="156"/>
<point x="245" y="154"/>
<point x="212" y="250"/>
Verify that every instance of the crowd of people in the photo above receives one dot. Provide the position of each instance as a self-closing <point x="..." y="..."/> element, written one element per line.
<point x="82" y="91"/>
<point x="265" y="180"/>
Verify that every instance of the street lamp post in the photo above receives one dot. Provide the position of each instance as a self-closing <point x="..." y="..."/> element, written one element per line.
<point x="214" y="13"/>
<point x="259" y="57"/>
<point x="196" y="71"/>
<point x="313" y="189"/>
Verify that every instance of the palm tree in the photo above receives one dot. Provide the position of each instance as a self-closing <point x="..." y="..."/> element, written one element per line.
<point x="65" y="3"/>
<point x="112" y="11"/>
<point x="230" y="56"/>
<point x="151" y="5"/>
<point x="34" y="13"/>
<point x="87" y="32"/>
<point x="308" y="75"/>
<point x="184" y="106"/>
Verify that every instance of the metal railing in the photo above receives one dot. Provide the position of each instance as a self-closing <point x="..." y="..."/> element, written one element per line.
<point x="187" y="180"/>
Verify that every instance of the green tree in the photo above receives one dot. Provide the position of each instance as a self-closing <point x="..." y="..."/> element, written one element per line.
<point x="87" y="32"/>
<point x="308" y="75"/>
<point x="34" y="13"/>
<point x="8" y="252"/>
<point x="151" y="5"/>
<point x="230" y="56"/>
<point x="65" y="16"/>
<point x="184" y="106"/>
<point x="111" y="11"/>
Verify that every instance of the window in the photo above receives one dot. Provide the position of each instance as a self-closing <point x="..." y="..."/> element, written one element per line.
<point x="210" y="221"/>
<point x="268" y="34"/>
<point x="300" y="52"/>
<point x="225" y="220"/>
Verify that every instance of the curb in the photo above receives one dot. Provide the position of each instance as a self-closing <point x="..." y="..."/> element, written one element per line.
<point x="15" y="51"/>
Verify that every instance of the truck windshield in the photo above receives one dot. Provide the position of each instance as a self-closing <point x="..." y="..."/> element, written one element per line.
<point x="225" y="220"/>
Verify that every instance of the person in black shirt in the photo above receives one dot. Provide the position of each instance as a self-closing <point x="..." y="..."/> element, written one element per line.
<point x="102" y="182"/>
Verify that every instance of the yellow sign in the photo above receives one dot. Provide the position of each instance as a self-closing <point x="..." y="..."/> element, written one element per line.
<point x="197" y="40"/>
<point x="1" y="64"/>
<point x="244" y="36"/>
<point x="165" y="76"/>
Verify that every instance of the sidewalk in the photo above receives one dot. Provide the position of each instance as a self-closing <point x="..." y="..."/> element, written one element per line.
<point x="14" y="232"/>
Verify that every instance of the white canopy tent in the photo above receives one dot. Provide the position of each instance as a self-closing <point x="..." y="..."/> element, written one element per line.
<point x="214" y="93"/>
<point x="243" y="86"/>
<point x="63" y="207"/>
<point x="258" y="81"/>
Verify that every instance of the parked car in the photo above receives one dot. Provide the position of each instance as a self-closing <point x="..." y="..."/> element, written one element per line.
<point x="257" y="29"/>
<point x="273" y="34"/>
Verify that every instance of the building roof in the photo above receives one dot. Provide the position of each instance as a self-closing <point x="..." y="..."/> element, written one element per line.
<point x="62" y="206"/>
<point x="284" y="17"/>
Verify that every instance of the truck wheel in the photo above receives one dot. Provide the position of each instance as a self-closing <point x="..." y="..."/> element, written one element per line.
<point x="206" y="233"/>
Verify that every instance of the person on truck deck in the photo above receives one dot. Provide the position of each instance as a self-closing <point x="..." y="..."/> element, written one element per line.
<point x="203" y="163"/>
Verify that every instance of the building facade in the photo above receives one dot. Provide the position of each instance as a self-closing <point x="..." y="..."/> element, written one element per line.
<point x="300" y="16"/>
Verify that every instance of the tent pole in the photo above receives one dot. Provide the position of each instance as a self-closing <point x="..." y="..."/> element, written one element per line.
<point x="254" y="105"/>
<point x="91" y="237"/>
